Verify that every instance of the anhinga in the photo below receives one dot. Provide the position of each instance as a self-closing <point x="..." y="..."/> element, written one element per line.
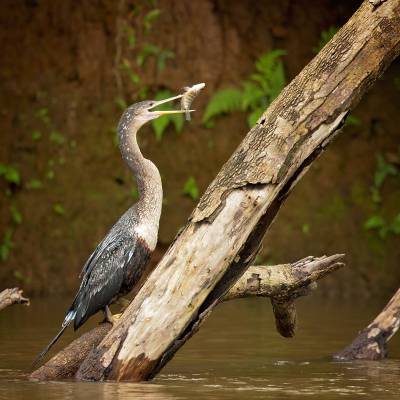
<point x="118" y="262"/>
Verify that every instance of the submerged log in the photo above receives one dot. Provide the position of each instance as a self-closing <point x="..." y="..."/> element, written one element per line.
<point x="227" y="226"/>
<point x="279" y="282"/>
<point x="371" y="342"/>
<point x="12" y="296"/>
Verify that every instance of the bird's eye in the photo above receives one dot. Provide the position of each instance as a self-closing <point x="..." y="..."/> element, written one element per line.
<point x="151" y="104"/>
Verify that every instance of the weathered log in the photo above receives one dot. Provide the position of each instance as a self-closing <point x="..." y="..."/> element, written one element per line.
<point x="371" y="342"/>
<point x="228" y="224"/>
<point x="279" y="282"/>
<point x="12" y="296"/>
<point x="283" y="284"/>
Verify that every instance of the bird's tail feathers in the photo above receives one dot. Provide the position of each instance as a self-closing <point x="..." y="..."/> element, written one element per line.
<point x="68" y="319"/>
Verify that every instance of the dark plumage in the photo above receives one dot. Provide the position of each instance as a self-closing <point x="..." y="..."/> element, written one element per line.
<point x="117" y="264"/>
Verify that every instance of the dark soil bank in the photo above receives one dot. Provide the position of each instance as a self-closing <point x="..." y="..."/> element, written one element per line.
<point x="66" y="67"/>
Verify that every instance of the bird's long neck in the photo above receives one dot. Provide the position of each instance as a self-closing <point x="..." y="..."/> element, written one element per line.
<point x="148" y="180"/>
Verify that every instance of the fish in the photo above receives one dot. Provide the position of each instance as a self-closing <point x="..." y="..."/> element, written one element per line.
<point x="188" y="96"/>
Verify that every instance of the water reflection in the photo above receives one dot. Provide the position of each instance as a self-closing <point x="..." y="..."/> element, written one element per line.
<point x="236" y="355"/>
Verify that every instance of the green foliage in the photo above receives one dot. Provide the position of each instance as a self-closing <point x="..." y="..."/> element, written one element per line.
<point x="43" y="115"/>
<point x="59" y="209"/>
<point x="325" y="37"/>
<point x="382" y="226"/>
<point x="10" y="174"/>
<point x="161" y="124"/>
<point x="36" y="135"/>
<point x="223" y="102"/>
<point x="34" y="184"/>
<point x="257" y="92"/>
<point x="190" y="188"/>
<point x="352" y="120"/>
<point x="16" y="216"/>
<point x="57" y="137"/>
<point x="6" y="245"/>
<point x="150" y="17"/>
<point x="383" y="170"/>
<point x="377" y="222"/>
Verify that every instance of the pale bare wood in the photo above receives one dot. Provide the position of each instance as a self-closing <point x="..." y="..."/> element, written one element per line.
<point x="226" y="228"/>
<point x="279" y="282"/>
<point x="12" y="296"/>
<point x="371" y="342"/>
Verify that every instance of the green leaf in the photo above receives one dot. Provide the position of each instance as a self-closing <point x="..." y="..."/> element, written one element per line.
<point x="305" y="228"/>
<point x="146" y="51"/>
<point x="43" y="115"/>
<point x="150" y="17"/>
<point x="50" y="174"/>
<point x="57" y="137"/>
<point x="352" y="120"/>
<point x="254" y="116"/>
<point x="375" y="222"/>
<point x="6" y="245"/>
<point x="34" y="184"/>
<point x="383" y="169"/>
<point x="190" y="188"/>
<point x="59" y="209"/>
<point x="395" y="225"/>
<point x="126" y="66"/>
<point x="36" y="135"/>
<point x="159" y="125"/>
<point x="162" y="58"/>
<point x="15" y="214"/>
<point x="10" y="174"/>
<point x="224" y="101"/>
<point x="252" y="95"/>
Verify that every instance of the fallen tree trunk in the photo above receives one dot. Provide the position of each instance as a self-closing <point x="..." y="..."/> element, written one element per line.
<point x="12" y="296"/>
<point x="227" y="226"/>
<point x="371" y="342"/>
<point x="279" y="282"/>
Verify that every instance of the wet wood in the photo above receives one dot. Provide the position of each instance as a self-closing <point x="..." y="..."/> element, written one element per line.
<point x="226" y="228"/>
<point x="279" y="282"/>
<point x="283" y="284"/>
<point x="371" y="342"/>
<point x="12" y="296"/>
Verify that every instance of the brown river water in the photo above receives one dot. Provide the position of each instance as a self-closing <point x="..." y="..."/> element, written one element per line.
<point x="236" y="355"/>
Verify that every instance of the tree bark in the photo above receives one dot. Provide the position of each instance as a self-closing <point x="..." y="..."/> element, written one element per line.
<point x="371" y="342"/>
<point x="12" y="296"/>
<point x="227" y="226"/>
<point x="279" y="282"/>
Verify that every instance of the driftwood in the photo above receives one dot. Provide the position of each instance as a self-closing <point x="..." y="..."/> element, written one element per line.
<point x="12" y="296"/>
<point x="371" y="342"/>
<point x="283" y="282"/>
<point x="226" y="228"/>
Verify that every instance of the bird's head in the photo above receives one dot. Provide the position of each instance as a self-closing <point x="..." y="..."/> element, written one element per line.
<point x="139" y="113"/>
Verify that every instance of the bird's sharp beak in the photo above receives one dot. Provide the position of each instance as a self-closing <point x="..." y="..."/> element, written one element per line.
<point x="172" y="112"/>
<point x="158" y="103"/>
<point x="158" y="113"/>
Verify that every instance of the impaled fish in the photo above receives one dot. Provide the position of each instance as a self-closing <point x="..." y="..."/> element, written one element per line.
<point x="188" y="96"/>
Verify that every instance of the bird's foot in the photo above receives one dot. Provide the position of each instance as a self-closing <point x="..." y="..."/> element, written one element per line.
<point x="117" y="316"/>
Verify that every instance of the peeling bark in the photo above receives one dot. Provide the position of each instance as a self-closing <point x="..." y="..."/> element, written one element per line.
<point x="371" y="342"/>
<point x="286" y="281"/>
<point x="226" y="228"/>
<point x="12" y="296"/>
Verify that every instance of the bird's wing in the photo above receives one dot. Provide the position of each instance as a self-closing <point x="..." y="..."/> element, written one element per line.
<point x="106" y="245"/>
<point x="103" y="277"/>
